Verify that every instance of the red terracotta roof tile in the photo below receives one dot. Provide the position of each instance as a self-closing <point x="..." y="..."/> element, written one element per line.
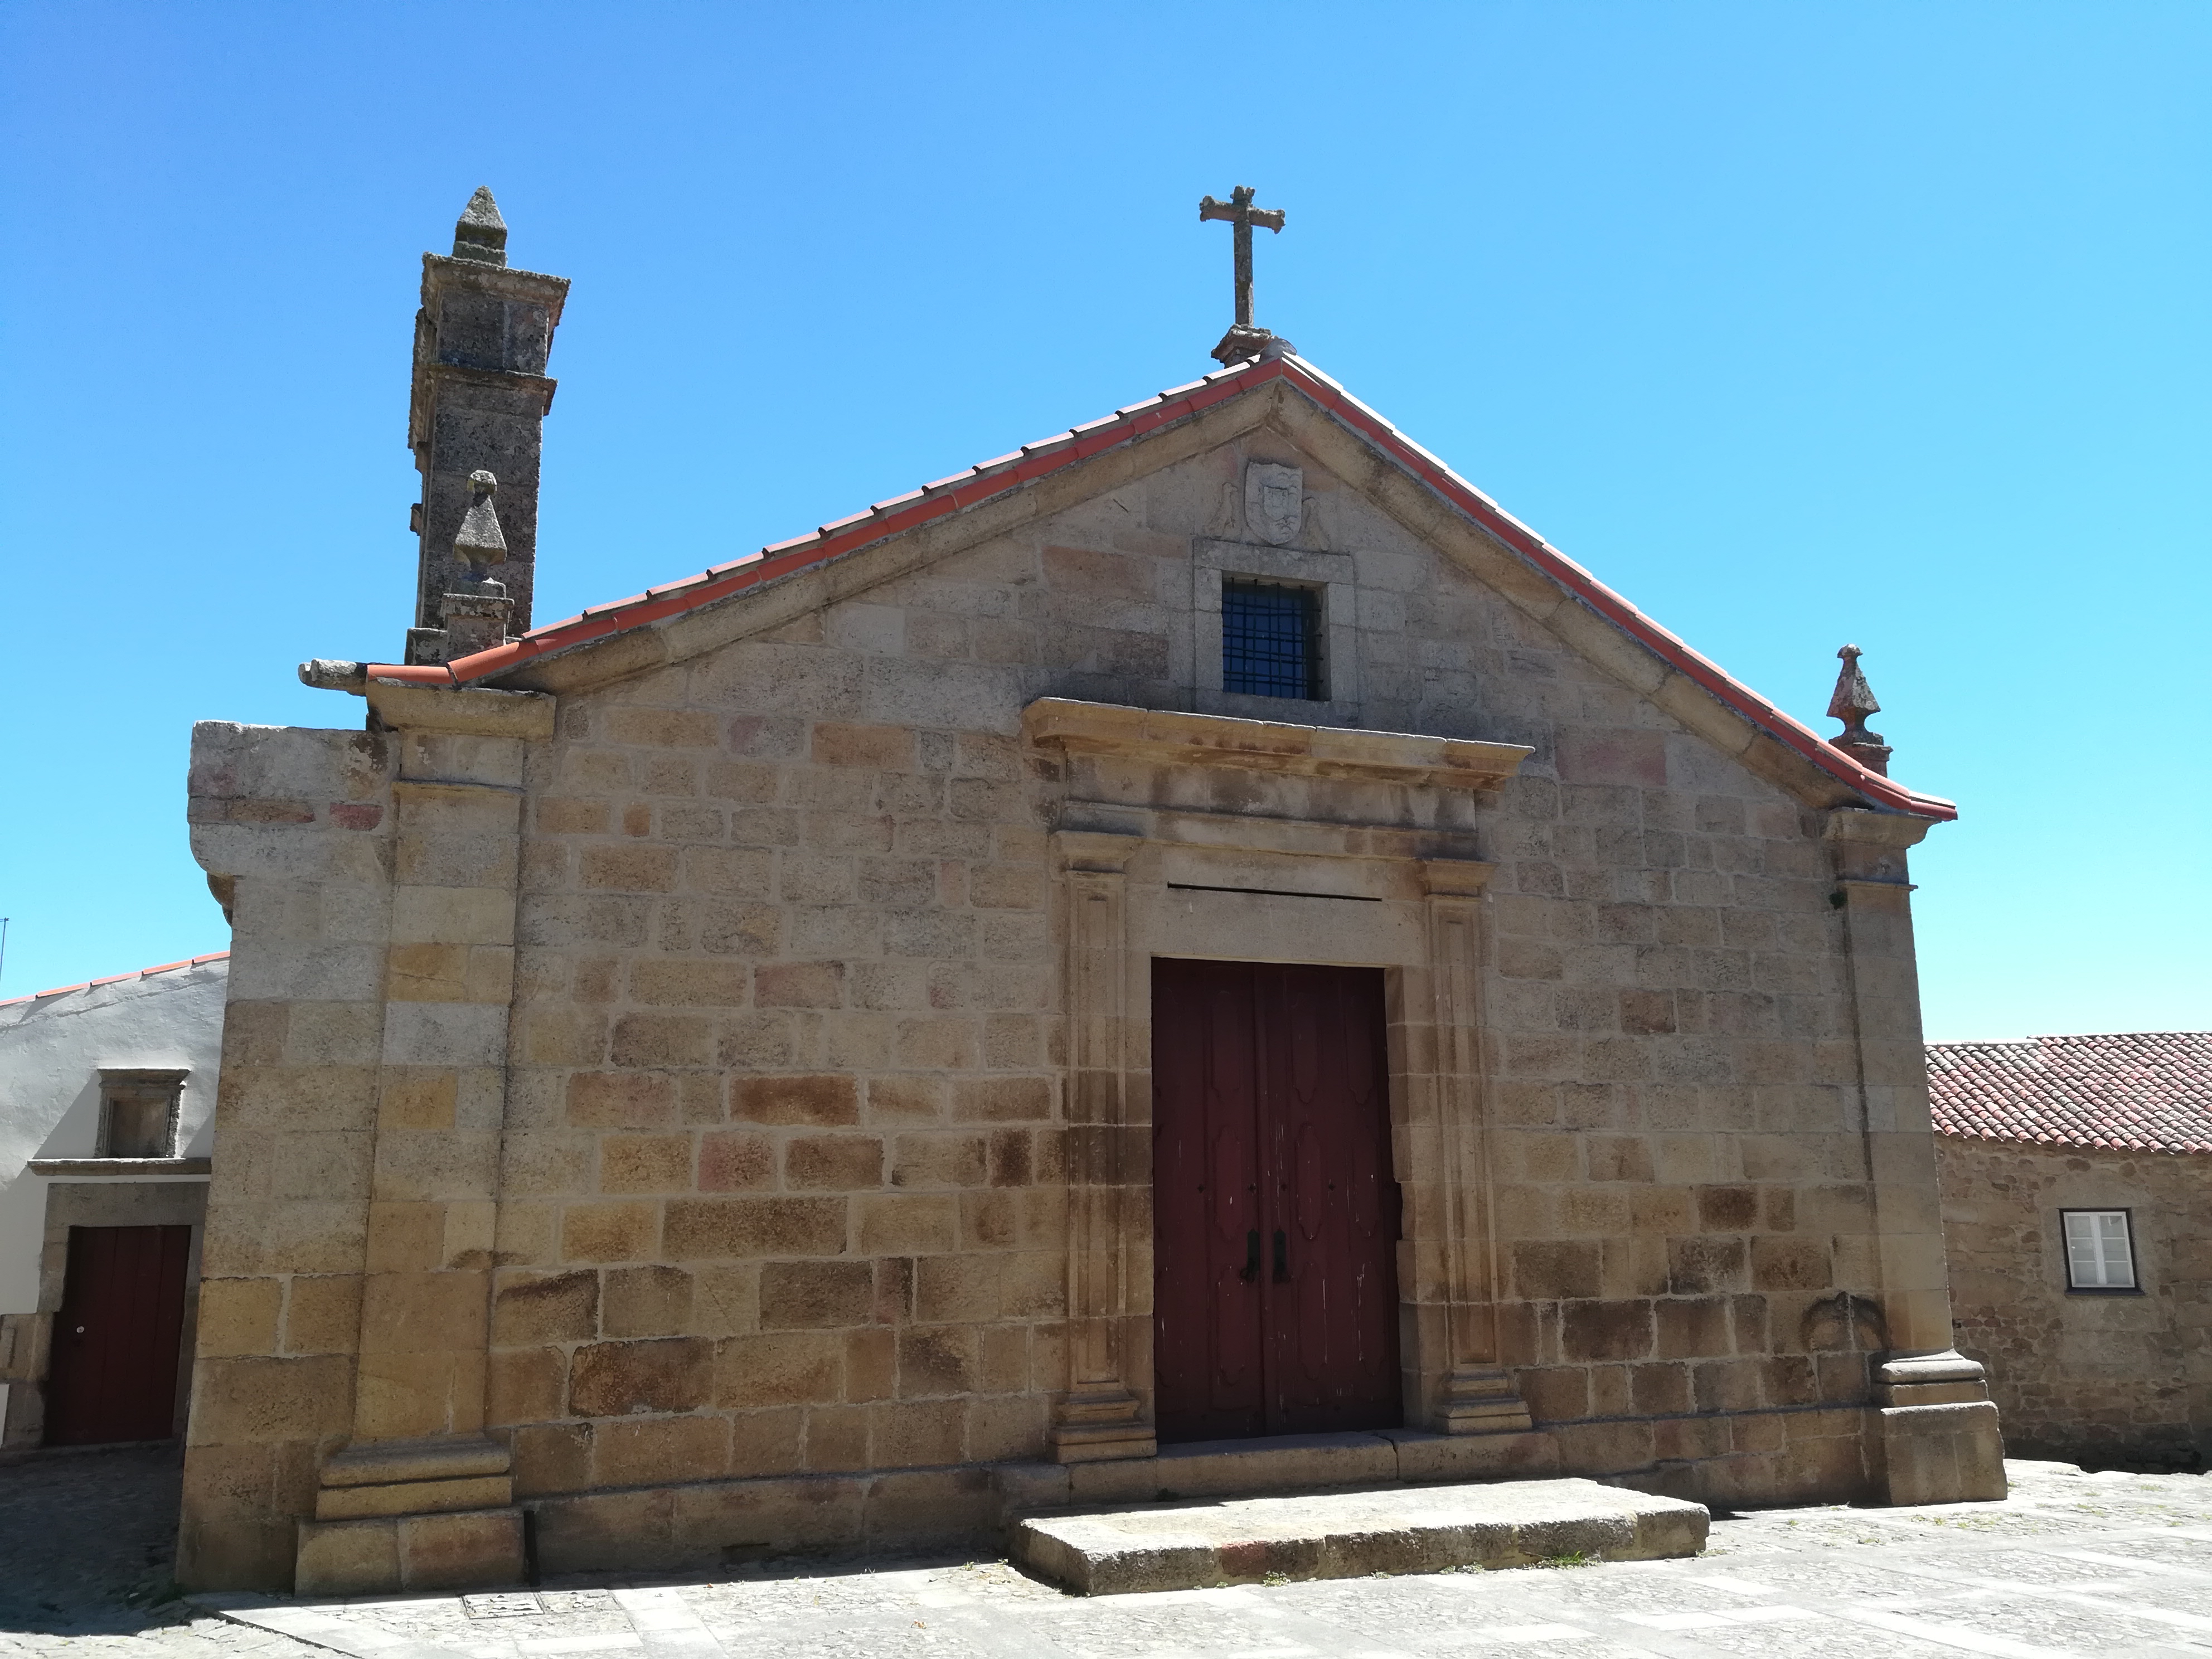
<point x="1005" y="473"/>
<point x="112" y="979"/>
<point x="2141" y="1091"/>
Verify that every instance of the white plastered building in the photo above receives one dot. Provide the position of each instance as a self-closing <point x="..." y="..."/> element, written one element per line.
<point x="107" y="1106"/>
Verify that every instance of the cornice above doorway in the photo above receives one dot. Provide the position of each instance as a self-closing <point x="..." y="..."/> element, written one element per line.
<point x="1170" y="737"/>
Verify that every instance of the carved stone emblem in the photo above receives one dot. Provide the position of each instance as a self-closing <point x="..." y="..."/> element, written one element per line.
<point x="1274" y="502"/>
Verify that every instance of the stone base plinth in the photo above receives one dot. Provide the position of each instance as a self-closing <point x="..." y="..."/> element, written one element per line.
<point x="1478" y="1401"/>
<point x="1943" y="1454"/>
<point x="1094" y="1442"/>
<point x="394" y="1515"/>
<point x="1350" y="1535"/>
<point x="466" y="1549"/>
<point x="1101" y="1426"/>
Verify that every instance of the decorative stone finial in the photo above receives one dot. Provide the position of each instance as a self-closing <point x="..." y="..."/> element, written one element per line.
<point x="475" y="620"/>
<point x="481" y="234"/>
<point x="479" y="614"/>
<point x="1853" y="702"/>
<point x="480" y="542"/>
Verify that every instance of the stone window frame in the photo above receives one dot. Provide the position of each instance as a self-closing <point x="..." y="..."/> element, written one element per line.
<point x="115" y="1081"/>
<point x="1331" y="576"/>
<point x="2135" y="1287"/>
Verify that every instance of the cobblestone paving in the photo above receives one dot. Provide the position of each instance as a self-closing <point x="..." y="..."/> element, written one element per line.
<point x="87" y="1541"/>
<point x="2072" y="1565"/>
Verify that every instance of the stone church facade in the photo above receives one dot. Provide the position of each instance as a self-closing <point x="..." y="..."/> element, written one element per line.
<point x="689" y="1075"/>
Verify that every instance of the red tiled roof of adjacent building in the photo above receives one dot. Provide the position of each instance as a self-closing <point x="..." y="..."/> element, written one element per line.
<point x="2147" y="1091"/>
<point x="988" y="480"/>
<point x="136" y="973"/>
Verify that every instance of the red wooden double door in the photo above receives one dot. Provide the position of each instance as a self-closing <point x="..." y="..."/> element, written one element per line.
<point x="1274" y="1288"/>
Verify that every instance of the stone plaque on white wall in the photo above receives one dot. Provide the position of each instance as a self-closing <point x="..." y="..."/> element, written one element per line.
<point x="1274" y="502"/>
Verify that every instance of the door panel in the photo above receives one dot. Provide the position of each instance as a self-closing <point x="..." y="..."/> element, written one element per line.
<point x="1333" y="1337"/>
<point x="1274" y="1292"/>
<point x="1206" y="1197"/>
<point x="114" y="1374"/>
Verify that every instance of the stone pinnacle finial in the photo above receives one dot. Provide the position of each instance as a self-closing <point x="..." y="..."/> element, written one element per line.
<point x="480" y="541"/>
<point x="1853" y="702"/>
<point x="480" y="234"/>
<point x="475" y="619"/>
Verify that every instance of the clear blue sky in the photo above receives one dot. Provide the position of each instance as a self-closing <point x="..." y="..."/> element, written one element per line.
<point x="1797" y="323"/>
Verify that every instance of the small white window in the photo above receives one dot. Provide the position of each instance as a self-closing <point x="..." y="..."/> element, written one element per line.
<point x="2099" y="1252"/>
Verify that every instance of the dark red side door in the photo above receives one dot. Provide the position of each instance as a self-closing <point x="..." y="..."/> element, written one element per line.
<point x="1276" y="1212"/>
<point x="113" y="1373"/>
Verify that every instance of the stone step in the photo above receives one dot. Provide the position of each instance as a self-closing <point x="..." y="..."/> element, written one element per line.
<point x="1506" y="1524"/>
<point x="1262" y="1465"/>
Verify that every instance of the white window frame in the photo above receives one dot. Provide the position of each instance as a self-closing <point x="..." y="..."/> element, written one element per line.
<point x="2089" y="1238"/>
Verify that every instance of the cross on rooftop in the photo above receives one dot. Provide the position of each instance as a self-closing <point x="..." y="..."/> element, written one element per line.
<point x="1239" y="212"/>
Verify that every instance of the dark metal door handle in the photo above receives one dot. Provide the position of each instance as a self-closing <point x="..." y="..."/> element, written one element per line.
<point x="1251" y="1257"/>
<point x="1282" y="1257"/>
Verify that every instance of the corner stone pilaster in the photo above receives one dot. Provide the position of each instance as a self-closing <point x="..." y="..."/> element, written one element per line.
<point x="1940" y="1439"/>
<point x="421" y="1497"/>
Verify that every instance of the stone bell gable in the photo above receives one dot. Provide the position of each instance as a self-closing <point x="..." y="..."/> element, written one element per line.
<point x="688" y="1079"/>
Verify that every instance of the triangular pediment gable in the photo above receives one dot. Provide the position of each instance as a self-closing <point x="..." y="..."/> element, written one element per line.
<point x="847" y="556"/>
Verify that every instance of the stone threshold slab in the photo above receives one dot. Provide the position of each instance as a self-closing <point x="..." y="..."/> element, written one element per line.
<point x="1276" y="1463"/>
<point x="1507" y="1523"/>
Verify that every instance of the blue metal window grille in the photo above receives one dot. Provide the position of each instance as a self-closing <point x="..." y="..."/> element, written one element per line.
<point x="1270" y="640"/>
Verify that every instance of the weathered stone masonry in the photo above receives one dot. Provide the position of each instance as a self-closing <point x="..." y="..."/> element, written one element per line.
<point x="2088" y="1378"/>
<point x="695" y="1090"/>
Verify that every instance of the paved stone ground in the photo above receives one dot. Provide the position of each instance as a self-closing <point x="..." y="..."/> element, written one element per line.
<point x="87" y="1541"/>
<point x="2073" y="1564"/>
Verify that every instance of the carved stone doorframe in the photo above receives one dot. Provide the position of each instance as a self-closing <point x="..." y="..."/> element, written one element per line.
<point x="1318" y="872"/>
<point x="1475" y="1395"/>
<point x="1108" y="1163"/>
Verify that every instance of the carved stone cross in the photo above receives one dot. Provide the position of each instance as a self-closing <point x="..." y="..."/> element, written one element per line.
<point x="1239" y="212"/>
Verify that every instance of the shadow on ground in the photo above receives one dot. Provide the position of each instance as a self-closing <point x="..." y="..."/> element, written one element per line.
<point x="90" y="1539"/>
